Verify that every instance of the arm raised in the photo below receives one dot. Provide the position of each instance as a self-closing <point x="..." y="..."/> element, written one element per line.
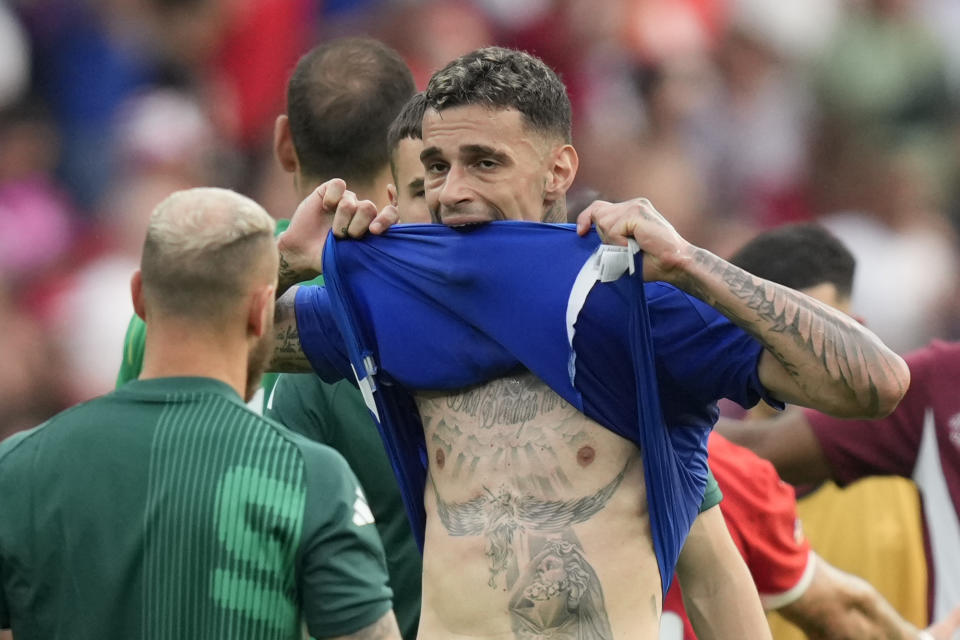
<point x="815" y="355"/>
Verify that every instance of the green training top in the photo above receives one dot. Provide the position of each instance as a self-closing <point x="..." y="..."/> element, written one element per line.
<point x="336" y="415"/>
<point x="167" y="509"/>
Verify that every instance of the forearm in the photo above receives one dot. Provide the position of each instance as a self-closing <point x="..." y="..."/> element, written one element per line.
<point x="840" y="606"/>
<point x="787" y="441"/>
<point x="828" y="361"/>
<point x="718" y="592"/>
<point x="288" y="355"/>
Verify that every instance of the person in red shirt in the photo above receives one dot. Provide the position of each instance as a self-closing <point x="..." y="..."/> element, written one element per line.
<point x="760" y="509"/>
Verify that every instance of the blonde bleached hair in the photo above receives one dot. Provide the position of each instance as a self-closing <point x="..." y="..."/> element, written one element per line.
<point x="205" y="248"/>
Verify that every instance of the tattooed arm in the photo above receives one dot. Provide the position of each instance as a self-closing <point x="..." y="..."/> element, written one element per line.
<point x="815" y="356"/>
<point x="718" y="592"/>
<point x="288" y="355"/>
<point x="328" y="206"/>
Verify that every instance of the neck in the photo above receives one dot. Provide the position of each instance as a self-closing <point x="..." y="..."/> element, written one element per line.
<point x="556" y="212"/>
<point x="181" y="349"/>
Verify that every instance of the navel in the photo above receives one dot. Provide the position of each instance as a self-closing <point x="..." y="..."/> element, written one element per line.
<point x="441" y="458"/>
<point x="585" y="455"/>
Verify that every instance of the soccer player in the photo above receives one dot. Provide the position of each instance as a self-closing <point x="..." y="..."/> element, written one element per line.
<point x="341" y="99"/>
<point x="536" y="515"/>
<point x="760" y="510"/>
<point x="167" y="509"/>
<point x="405" y="142"/>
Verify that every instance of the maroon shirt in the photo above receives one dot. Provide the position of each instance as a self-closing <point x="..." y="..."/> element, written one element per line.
<point x="920" y="440"/>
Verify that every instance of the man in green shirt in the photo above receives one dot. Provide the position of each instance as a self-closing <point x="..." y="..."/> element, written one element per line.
<point x="167" y="508"/>
<point x="341" y="99"/>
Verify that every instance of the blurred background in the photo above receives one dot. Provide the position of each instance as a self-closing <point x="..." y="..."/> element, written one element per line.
<point x="732" y="116"/>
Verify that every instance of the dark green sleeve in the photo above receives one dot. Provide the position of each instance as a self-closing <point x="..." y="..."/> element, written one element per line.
<point x="343" y="567"/>
<point x="4" y="613"/>
<point x="297" y="402"/>
<point x="132" y="362"/>
<point x="711" y="493"/>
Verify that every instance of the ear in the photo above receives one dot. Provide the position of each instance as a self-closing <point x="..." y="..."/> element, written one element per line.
<point x="136" y="292"/>
<point x="562" y="171"/>
<point x="392" y="193"/>
<point x="260" y="315"/>
<point x="283" y="145"/>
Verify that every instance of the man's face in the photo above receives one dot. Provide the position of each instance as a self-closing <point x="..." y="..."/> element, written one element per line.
<point x="483" y="164"/>
<point x="410" y="201"/>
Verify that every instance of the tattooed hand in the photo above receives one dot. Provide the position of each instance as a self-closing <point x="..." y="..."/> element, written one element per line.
<point x="664" y="251"/>
<point x="331" y="205"/>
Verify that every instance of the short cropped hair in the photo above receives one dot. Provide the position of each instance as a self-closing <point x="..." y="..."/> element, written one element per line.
<point x="505" y="79"/>
<point x="799" y="256"/>
<point x="407" y="124"/>
<point x="341" y="99"/>
<point x="204" y="248"/>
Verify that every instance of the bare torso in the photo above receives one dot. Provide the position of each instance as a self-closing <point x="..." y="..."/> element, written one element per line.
<point x="537" y="522"/>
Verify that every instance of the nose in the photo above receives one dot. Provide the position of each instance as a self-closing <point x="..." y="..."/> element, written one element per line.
<point x="454" y="190"/>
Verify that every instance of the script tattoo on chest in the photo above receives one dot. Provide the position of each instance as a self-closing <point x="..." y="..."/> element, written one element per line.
<point x="516" y="423"/>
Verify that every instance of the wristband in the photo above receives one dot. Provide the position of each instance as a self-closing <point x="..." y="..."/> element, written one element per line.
<point x="923" y="634"/>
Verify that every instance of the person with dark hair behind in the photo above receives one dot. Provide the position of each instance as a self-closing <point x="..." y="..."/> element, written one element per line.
<point x="915" y="445"/>
<point x="760" y="510"/>
<point x="405" y="142"/>
<point x="342" y="97"/>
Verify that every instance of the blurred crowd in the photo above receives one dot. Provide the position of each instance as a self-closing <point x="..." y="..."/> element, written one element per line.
<point x="732" y="116"/>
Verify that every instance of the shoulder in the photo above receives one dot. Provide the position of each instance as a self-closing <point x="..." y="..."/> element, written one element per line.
<point x="24" y="440"/>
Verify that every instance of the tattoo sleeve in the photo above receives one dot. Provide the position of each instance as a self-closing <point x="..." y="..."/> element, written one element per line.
<point x="288" y="356"/>
<point x="286" y="276"/>
<point x="835" y="364"/>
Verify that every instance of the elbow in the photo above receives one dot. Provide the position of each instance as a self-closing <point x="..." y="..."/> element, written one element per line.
<point x="890" y="389"/>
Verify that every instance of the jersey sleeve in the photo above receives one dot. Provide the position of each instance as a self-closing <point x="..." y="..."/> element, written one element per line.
<point x="294" y="404"/>
<point x="343" y="566"/>
<point x="712" y="496"/>
<point x="133" y="343"/>
<point x="4" y="609"/>
<point x="888" y="446"/>
<point x="319" y="337"/>
<point x="761" y="514"/>
<point x="701" y="355"/>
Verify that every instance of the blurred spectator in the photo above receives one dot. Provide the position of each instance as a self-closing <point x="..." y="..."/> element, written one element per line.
<point x="36" y="228"/>
<point x="893" y="225"/>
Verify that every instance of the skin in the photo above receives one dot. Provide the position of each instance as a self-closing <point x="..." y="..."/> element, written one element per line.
<point x="408" y="195"/>
<point x="528" y="491"/>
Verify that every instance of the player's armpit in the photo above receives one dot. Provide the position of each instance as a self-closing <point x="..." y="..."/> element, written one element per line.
<point x="383" y="629"/>
<point x="288" y="355"/>
<point x="841" y="606"/>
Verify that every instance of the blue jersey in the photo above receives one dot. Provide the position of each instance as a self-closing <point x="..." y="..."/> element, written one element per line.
<point x="429" y="307"/>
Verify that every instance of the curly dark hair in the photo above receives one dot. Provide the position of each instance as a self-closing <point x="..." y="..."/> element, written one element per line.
<point x="505" y="79"/>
